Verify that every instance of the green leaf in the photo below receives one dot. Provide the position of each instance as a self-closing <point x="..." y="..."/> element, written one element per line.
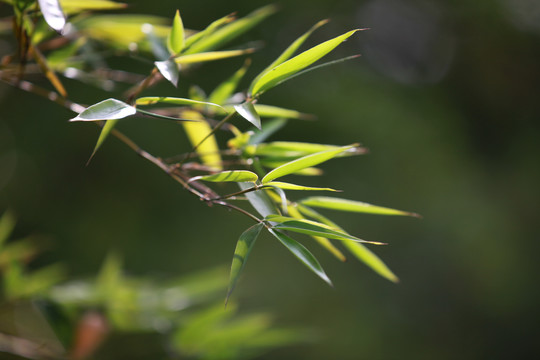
<point x="169" y="70"/>
<point x="303" y="162"/>
<point x="200" y="135"/>
<point x="309" y="171"/>
<point x="76" y="6"/>
<point x="268" y="129"/>
<point x="313" y="228"/>
<point x="243" y="248"/>
<point x="228" y="176"/>
<point x="223" y="35"/>
<point x="288" y="186"/>
<point x="260" y="200"/>
<point x="211" y="56"/>
<point x="277" y="112"/>
<point x="302" y="254"/>
<point x="296" y="64"/>
<point x="222" y="92"/>
<point x="210" y="29"/>
<point x="175" y="39"/>
<point x="352" y="206"/>
<point x="105" y="131"/>
<point x="288" y="52"/>
<point x="152" y="100"/>
<point x="53" y="14"/>
<point x="110" y="109"/>
<point x="291" y="149"/>
<point x="248" y="112"/>
<point x="7" y="224"/>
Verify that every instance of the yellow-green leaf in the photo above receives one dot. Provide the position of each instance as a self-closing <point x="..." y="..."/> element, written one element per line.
<point x="7" y="224"/>
<point x="197" y="131"/>
<point x="152" y="100"/>
<point x="208" y="30"/>
<point x="303" y="162"/>
<point x="76" y="6"/>
<point x="229" y="176"/>
<point x="288" y="186"/>
<point x="352" y="206"/>
<point x="211" y="56"/>
<point x="105" y="131"/>
<point x="175" y="40"/>
<point x="222" y="92"/>
<point x="296" y="64"/>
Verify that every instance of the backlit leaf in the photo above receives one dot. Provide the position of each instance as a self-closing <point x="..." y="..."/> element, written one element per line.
<point x="352" y="206"/>
<point x="110" y="109"/>
<point x="169" y="70"/>
<point x="208" y="30"/>
<point x="288" y="186"/>
<point x="248" y="112"/>
<point x="243" y="248"/>
<point x="296" y="64"/>
<point x="197" y="131"/>
<point x="53" y="14"/>
<point x="152" y="100"/>
<point x="75" y="6"/>
<point x="228" y="176"/>
<point x="105" y="131"/>
<point x="302" y="254"/>
<point x="222" y="92"/>
<point x="291" y="149"/>
<point x="211" y="56"/>
<point x="175" y="39"/>
<point x="303" y="162"/>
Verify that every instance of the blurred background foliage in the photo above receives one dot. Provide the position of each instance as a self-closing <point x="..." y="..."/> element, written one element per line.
<point x="444" y="96"/>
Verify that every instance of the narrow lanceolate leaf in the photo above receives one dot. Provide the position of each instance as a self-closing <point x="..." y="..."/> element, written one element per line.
<point x="309" y="171"/>
<point x="228" y="176"/>
<point x="197" y="132"/>
<point x="169" y="70"/>
<point x="110" y="109"/>
<point x="268" y="129"/>
<point x="152" y="100"/>
<point x="266" y="111"/>
<point x="313" y="228"/>
<point x="352" y="206"/>
<point x="243" y="248"/>
<point x="76" y="6"/>
<point x="175" y="41"/>
<point x="53" y="14"/>
<point x="248" y="112"/>
<point x="288" y="52"/>
<point x="224" y="91"/>
<point x="360" y="251"/>
<point x="296" y="64"/>
<point x="303" y="162"/>
<point x="288" y="186"/>
<point x="211" y="56"/>
<point x="302" y="254"/>
<point x="223" y="35"/>
<point x="210" y="29"/>
<point x="291" y="149"/>
<point x="105" y="131"/>
<point x="260" y="200"/>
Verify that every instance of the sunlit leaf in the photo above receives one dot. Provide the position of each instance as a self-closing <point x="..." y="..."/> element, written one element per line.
<point x="243" y="248"/>
<point x="259" y="200"/>
<point x="291" y="149"/>
<point x="75" y="6"/>
<point x="352" y="206"/>
<point x="288" y="186"/>
<point x="228" y="176"/>
<point x="313" y="228"/>
<point x="223" y="91"/>
<point x="169" y="70"/>
<point x="248" y="112"/>
<point x="223" y="35"/>
<point x="105" y="131"/>
<point x="208" y="30"/>
<point x="152" y="100"/>
<point x="288" y="52"/>
<point x="211" y="56"/>
<point x="197" y="131"/>
<point x="53" y="14"/>
<point x="309" y="171"/>
<point x="110" y="109"/>
<point x="303" y="162"/>
<point x="296" y="64"/>
<point x="302" y="254"/>
<point x="175" y="39"/>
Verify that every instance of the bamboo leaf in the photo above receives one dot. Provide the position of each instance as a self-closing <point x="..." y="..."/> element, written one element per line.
<point x="110" y="109"/>
<point x="296" y="64"/>
<point x="211" y="56"/>
<point x="228" y="176"/>
<point x="243" y="248"/>
<point x="309" y="171"/>
<point x="105" y="131"/>
<point x="260" y="200"/>
<point x="352" y="206"/>
<point x="291" y="149"/>
<point x="313" y="228"/>
<point x="302" y="254"/>
<point x="152" y="100"/>
<point x="76" y="6"/>
<point x="268" y="129"/>
<point x="303" y="162"/>
<point x="288" y="52"/>
<point x="175" y="40"/>
<point x="222" y="92"/>
<point x="288" y="186"/>
<point x="53" y="14"/>
<point x="248" y="112"/>
<point x="208" y="30"/>
<point x="7" y="224"/>
<point x="169" y="70"/>
<point x="197" y="131"/>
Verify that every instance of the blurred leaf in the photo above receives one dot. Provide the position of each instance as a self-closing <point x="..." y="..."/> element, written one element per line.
<point x="223" y="35"/>
<point x="228" y="176"/>
<point x="151" y="100"/>
<point x="197" y="131"/>
<point x="290" y="150"/>
<point x="243" y="248"/>
<point x="313" y="228"/>
<point x="169" y="70"/>
<point x="208" y="30"/>
<point x="110" y="109"/>
<point x="210" y="56"/>
<point x="267" y="129"/>
<point x="288" y="186"/>
<point x="222" y="92"/>
<point x="296" y="64"/>
<point x="7" y="224"/>
<point x="105" y="131"/>
<point x="275" y="111"/>
<point x="157" y="45"/>
<point x="302" y="254"/>
<point x="20" y="250"/>
<point x="53" y="14"/>
<point x="259" y="200"/>
<point x="47" y="71"/>
<point x="175" y="41"/>
<point x="76" y="6"/>
<point x="248" y="112"/>
<point x="352" y="206"/>
<point x="303" y="162"/>
<point x="288" y="52"/>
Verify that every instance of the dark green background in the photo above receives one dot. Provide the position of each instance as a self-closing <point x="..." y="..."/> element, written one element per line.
<point x="446" y="98"/>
